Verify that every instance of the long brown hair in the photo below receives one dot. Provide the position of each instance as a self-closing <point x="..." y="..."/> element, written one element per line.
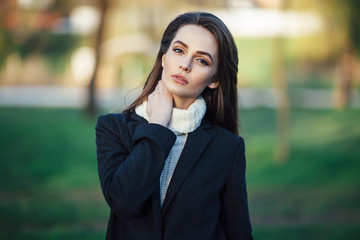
<point x="222" y="101"/>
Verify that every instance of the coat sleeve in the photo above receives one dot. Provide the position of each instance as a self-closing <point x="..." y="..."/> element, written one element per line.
<point x="234" y="210"/>
<point x="129" y="176"/>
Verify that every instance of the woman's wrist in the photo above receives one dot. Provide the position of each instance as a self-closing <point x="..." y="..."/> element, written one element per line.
<point x="161" y="122"/>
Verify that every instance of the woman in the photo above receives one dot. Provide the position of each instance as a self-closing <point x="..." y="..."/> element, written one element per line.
<point x="171" y="166"/>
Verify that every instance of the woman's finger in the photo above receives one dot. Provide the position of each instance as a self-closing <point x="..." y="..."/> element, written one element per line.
<point x="162" y="87"/>
<point x="160" y="103"/>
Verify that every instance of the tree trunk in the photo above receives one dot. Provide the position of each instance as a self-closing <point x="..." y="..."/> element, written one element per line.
<point x="344" y="79"/>
<point x="282" y="151"/>
<point x="91" y="105"/>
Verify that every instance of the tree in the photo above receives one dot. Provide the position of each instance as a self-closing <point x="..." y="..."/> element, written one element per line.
<point x="351" y="51"/>
<point x="91" y="106"/>
<point x="282" y="151"/>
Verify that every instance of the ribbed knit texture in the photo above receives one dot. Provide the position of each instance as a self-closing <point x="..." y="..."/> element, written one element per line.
<point x="182" y="122"/>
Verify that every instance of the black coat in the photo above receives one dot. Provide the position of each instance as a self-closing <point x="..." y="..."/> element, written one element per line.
<point x="206" y="198"/>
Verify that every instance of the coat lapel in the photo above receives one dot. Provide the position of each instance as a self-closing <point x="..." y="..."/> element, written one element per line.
<point x="195" y="145"/>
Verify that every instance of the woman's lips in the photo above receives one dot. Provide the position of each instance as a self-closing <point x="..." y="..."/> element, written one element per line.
<point x="178" y="78"/>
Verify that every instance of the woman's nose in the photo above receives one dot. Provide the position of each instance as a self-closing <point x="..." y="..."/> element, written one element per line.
<point x="185" y="67"/>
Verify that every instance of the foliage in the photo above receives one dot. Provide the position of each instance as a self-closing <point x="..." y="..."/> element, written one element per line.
<point x="54" y="47"/>
<point x="7" y="46"/>
<point x="353" y="7"/>
<point x="255" y="57"/>
<point x="305" y="61"/>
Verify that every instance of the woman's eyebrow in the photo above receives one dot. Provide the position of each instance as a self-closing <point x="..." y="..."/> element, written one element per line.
<point x="199" y="52"/>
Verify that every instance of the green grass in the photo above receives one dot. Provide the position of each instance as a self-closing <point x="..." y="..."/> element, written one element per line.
<point x="50" y="190"/>
<point x="49" y="185"/>
<point x="315" y="195"/>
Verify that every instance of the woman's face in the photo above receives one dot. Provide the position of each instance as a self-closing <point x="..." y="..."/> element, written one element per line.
<point x="189" y="64"/>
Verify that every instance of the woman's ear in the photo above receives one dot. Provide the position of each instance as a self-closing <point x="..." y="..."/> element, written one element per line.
<point x="163" y="60"/>
<point x="213" y="85"/>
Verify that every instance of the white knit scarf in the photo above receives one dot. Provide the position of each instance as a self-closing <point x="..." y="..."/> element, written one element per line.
<point x="182" y="120"/>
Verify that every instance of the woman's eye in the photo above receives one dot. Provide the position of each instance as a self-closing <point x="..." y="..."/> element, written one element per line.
<point x="203" y="61"/>
<point x="178" y="50"/>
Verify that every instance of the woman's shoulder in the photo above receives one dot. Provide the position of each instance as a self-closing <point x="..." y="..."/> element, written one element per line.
<point x="224" y="139"/>
<point x="118" y="118"/>
<point x="225" y="144"/>
<point x="113" y="117"/>
<point x="110" y="121"/>
<point x="118" y="121"/>
<point x="225" y="134"/>
<point x="119" y="125"/>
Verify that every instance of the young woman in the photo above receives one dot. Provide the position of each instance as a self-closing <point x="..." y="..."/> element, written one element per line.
<point x="171" y="166"/>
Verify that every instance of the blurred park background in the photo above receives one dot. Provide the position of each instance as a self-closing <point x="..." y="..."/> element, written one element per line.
<point x="63" y="62"/>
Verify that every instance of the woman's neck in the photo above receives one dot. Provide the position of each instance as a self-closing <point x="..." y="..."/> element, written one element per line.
<point x="183" y="103"/>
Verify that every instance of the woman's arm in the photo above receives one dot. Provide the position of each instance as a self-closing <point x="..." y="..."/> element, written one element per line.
<point x="130" y="176"/>
<point x="234" y="210"/>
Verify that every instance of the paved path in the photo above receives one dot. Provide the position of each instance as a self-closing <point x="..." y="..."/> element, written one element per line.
<point x="116" y="98"/>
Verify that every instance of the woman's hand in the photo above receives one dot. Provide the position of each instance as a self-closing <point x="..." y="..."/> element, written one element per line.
<point x="160" y="104"/>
